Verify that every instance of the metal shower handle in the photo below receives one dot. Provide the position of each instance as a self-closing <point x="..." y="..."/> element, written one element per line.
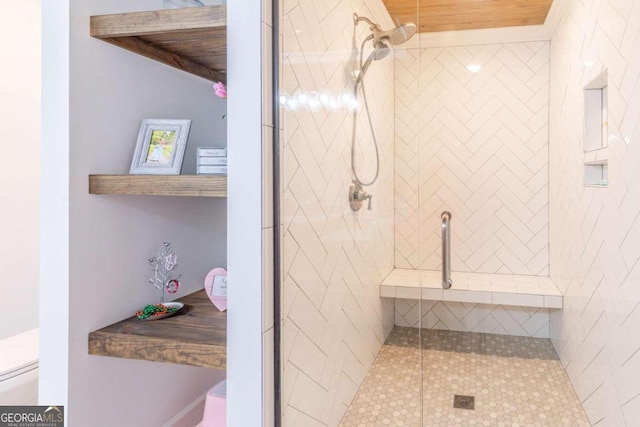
<point x="446" y="249"/>
<point x="357" y="195"/>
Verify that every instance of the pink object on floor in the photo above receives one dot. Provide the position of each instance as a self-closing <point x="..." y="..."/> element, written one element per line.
<point x="215" y="407"/>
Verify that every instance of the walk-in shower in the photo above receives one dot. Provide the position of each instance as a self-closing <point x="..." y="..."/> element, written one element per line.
<point x="441" y="294"/>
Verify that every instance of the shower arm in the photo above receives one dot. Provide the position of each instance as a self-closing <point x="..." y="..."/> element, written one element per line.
<point x="358" y="19"/>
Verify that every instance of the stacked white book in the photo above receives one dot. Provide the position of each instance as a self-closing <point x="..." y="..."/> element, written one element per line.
<point x="212" y="161"/>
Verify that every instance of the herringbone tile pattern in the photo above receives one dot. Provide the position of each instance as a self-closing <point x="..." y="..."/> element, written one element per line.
<point x="334" y="322"/>
<point x="595" y="233"/>
<point x="473" y="143"/>
<point x="470" y="317"/>
<point x="476" y="144"/>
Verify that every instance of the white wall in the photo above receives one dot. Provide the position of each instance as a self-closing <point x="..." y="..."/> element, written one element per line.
<point x="595" y="232"/>
<point x="334" y="259"/>
<point x="473" y="141"/>
<point x="20" y="172"/>
<point x="110" y="237"/>
<point x="250" y="346"/>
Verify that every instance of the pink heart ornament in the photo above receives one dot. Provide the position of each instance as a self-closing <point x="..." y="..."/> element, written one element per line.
<point x="215" y="285"/>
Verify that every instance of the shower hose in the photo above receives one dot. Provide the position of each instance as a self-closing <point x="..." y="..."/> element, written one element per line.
<point x="360" y="80"/>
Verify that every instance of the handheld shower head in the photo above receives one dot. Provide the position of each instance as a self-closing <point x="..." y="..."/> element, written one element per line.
<point x="380" y="51"/>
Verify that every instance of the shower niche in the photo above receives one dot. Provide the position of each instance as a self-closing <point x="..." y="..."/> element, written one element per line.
<point x="596" y="133"/>
<point x="596" y="174"/>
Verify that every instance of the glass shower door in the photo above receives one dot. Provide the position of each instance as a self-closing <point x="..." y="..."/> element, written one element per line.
<point x="348" y="356"/>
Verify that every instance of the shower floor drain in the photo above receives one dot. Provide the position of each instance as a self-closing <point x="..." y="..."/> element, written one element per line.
<point x="463" y="402"/>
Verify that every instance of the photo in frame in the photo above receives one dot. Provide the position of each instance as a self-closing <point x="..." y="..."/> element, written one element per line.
<point x="160" y="147"/>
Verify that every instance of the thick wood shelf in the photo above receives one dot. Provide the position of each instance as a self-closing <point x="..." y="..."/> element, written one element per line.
<point x="191" y="39"/>
<point x="159" y="185"/>
<point x="197" y="336"/>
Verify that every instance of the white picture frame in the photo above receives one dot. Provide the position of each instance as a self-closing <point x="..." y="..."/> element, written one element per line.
<point x="160" y="147"/>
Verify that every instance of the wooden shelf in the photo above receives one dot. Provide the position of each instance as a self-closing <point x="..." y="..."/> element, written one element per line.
<point x="191" y="39"/>
<point x="159" y="185"/>
<point x="197" y="336"/>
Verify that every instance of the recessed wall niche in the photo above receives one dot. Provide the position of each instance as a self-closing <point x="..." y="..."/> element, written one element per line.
<point x="595" y="113"/>
<point x="596" y="133"/>
<point x="596" y="174"/>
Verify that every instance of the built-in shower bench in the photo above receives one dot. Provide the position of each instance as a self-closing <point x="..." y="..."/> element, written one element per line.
<point x="500" y="289"/>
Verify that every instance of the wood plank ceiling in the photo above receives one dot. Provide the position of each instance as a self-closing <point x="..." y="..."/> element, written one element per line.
<point x="452" y="15"/>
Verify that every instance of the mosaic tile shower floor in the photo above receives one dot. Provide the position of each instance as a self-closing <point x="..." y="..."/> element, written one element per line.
<point x="516" y="381"/>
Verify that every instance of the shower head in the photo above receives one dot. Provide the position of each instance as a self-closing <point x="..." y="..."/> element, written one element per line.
<point x="398" y="35"/>
<point x="380" y="50"/>
<point x="401" y="33"/>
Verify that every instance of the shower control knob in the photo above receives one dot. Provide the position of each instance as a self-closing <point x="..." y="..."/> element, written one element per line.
<point x="357" y="195"/>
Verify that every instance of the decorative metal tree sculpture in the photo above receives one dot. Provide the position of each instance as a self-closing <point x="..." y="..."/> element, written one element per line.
<point x="162" y="264"/>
